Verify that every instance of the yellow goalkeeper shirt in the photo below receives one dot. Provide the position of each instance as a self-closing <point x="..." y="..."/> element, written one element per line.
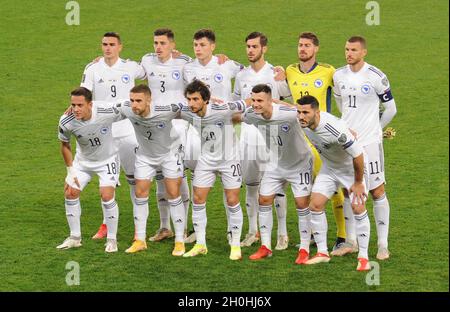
<point x="318" y="82"/>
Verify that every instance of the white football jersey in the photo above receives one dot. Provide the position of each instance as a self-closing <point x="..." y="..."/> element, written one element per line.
<point x="112" y="84"/>
<point x="284" y="138"/>
<point x="334" y="142"/>
<point x="247" y="78"/>
<point x="218" y="139"/>
<point x="165" y="80"/>
<point x="94" y="136"/>
<point x="216" y="77"/>
<point x="154" y="133"/>
<point x="360" y="94"/>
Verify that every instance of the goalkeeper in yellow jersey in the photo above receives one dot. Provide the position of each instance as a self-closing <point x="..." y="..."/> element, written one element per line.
<point x="308" y="77"/>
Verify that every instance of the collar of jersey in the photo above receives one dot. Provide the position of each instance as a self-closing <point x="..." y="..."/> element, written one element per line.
<point x="310" y="70"/>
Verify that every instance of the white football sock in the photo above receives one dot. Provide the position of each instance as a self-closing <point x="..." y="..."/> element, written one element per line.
<point x="319" y="227"/>
<point x="381" y="211"/>
<point x="199" y="221"/>
<point x="132" y="184"/>
<point x="281" y="209"/>
<point x="304" y="227"/>
<point x="177" y="214"/>
<point x="363" y="233"/>
<point x="73" y="214"/>
<point x="350" y="229"/>
<point x="185" y="196"/>
<point x="112" y="217"/>
<point x="163" y="205"/>
<point x="252" y="194"/>
<point x="236" y="220"/>
<point x="225" y="204"/>
<point x="265" y="219"/>
<point x="103" y="212"/>
<point x="140" y="212"/>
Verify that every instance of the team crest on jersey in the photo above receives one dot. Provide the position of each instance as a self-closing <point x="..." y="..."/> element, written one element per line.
<point x="318" y="83"/>
<point x="285" y="127"/>
<point x="161" y="125"/>
<point x="342" y="138"/>
<point x="104" y="130"/>
<point x="385" y="81"/>
<point x="365" y="89"/>
<point x="176" y="74"/>
<point x="126" y="78"/>
<point x="220" y="123"/>
<point x="232" y="106"/>
<point x="218" y="78"/>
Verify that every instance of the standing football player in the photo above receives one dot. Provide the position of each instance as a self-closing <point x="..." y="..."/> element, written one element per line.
<point x="290" y="161"/>
<point x="165" y="80"/>
<point x="252" y="144"/>
<point x="219" y="155"/>
<point x="309" y="77"/>
<point x="217" y="76"/>
<point x="342" y="165"/>
<point x="90" y="123"/>
<point x="359" y="89"/>
<point x="111" y="79"/>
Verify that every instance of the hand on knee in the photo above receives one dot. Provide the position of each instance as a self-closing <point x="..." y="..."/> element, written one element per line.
<point x="71" y="193"/>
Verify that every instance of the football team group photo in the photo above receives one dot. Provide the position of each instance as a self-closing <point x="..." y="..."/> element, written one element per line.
<point x="283" y="146"/>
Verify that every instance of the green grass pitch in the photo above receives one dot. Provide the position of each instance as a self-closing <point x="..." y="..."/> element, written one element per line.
<point x="42" y="59"/>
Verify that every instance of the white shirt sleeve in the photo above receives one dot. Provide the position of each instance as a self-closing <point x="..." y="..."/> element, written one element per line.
<point x="390" y="109"/>
<point x="337" y="94"/>
<point x="283" y="89"/>
<point x="234" y="67"/>
<point x="140" y="72"/>
<point x="63" y="132"/>
<point x="87" y="81"/>
<point x="237" y="93"/>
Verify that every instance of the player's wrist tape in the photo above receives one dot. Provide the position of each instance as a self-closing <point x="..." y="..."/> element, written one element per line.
<point x="71" y="175"/>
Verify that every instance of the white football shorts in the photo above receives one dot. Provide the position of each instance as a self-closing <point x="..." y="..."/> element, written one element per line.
<point x="107" y="171"/>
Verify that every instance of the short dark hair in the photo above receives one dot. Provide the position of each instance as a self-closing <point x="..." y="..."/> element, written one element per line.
<point x="262" y="88"/>
<point x="198" y="86"/>
<point x="114" y="35"/>
<point x="308" y="100"/>
<point x="164" y="32"/>
<point x="141" y="88"/>
<point x="359" y="39"/>
<point x="310" y="35"/>
<point x="205" y="33"/>
<point x="82" y="91"/>
<point x="256" y="34"/>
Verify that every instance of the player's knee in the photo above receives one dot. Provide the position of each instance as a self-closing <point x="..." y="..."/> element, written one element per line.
<point x="315" y="206"/>
<point x="141" y="193"/>
<point x="378" y="192"/>
<point x="232" y="201"/>
<point x="107" y="196"/>
<point x="71" y="193"/>
<point x="198" y="199"/>
<point x="302" y="203"/>
<point x="173" y="192"/>
<point x="265" y="200"/>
